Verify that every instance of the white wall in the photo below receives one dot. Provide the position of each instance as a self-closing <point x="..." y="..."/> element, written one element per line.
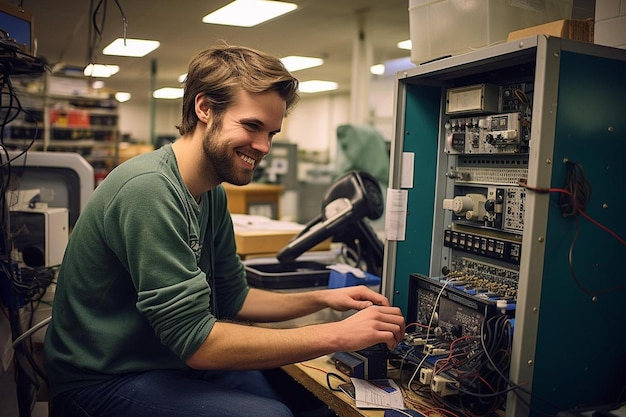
<point x="312" y="126"/>
<point x="135" y="119"/>
<point x="610" y="23"/>
<point x="382" y="95"/>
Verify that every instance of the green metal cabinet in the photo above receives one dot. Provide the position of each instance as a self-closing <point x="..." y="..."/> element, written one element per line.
<point x="569" y="343"/>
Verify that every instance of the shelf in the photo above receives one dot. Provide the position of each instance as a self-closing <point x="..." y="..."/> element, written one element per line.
<point x="81" y="143"/>
<point x="53" y="121"/>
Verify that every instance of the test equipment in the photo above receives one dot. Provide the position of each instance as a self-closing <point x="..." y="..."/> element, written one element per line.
<point x="506" y="222"/>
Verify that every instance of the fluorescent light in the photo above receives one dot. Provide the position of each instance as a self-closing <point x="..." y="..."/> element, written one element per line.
<point x="316" y="86"/>
<point x="248" y="13"/>
<point x="97" y="85"/>
<point x="182" y="78"/>
<point x="169" y="93"/>
<point x="405" y="44"/>
<point x="297" y="63"/>
<point x="398" y="64"/>
<point x="392" y="66"/>
<point x="122" y="96"/>
<point x="100" y="70"/>
<point x="130" y="47"/>
<point x="378" y="69"/>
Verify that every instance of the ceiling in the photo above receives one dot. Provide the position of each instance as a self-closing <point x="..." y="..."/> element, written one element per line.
<point x="318" y="28"/>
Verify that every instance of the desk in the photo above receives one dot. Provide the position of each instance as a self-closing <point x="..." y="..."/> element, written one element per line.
<point x="312" y="376"/>
<point x="315" y="382"/>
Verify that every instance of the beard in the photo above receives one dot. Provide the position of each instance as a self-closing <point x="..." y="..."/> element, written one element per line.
<point x="223" y="160"/>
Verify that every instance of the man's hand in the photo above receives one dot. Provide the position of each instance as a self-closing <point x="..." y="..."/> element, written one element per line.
<point x="257" y="347"/>
<point x="376" y="324"/>
<point x="353" y="298"/>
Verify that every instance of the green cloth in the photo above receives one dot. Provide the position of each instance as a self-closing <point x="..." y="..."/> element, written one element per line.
<point x="363" y="149"/>
<point x="134" y="289"/>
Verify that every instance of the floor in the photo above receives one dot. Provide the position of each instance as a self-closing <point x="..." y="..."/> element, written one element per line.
<point x="8" y="398"/>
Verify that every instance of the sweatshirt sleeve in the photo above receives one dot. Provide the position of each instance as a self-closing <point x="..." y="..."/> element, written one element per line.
<point x="159" y="249"/>
<point x="230" y="281"/>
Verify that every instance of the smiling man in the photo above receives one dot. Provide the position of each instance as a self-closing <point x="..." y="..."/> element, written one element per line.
<point x="152" y="309"/>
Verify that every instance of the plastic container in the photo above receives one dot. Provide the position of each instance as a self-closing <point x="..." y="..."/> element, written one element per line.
<point x="339" y="280"/>
<point x="450" y="27"/>
<point x="287" y="275"/>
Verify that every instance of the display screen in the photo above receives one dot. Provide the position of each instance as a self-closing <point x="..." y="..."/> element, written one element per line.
<point x="19" y="29"/>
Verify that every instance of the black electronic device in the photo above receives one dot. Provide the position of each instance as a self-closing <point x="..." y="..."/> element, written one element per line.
<point x="458" y="311"/>
<point x="17" y="42"/>
<point x="17" y="28"/>
<point x="368" y="363"/>
<point x="65" y="179"/>
<point x="352" y="198"/>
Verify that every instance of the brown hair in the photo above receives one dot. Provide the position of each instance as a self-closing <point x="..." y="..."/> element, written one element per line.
<point x="220" y="70"/>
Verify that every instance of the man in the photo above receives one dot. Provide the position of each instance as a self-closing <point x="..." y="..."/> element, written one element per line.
<point x="151" y="304"/>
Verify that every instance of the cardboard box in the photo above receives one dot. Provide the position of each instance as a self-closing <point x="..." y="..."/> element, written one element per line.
<point x="69" y="118"/>
<point x="578" y="30"/>
<point x="68" y="86"/>
<point x="267" y="242"/>
<point x="440" y="28"/>
<point x="128" y="150"/>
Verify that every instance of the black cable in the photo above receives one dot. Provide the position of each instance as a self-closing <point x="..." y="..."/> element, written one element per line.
<point x="516" y="387"/>
<point x="33" y="364"/>
<point x="579" y="189"/>
<point x="124" y="20"/>
<point x="98" y="26"/>
<point x="32" y="283"/>
<point x="332" y="374"/>
<point x="573" y="200"/>
<point x="481" y="390"/>
<point x="16" y="293"/>
<point x="572" y="204"/>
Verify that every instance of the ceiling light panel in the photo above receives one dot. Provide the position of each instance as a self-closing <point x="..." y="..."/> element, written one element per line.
<point x="317" y="86"/>
<point x="378" y="69"/>
<point x="122" y="96"/>
<point x="130" y="47"/>
<point x="248" y="13"/>
<point x="100" y="70"/>
<point x="297" y="63"/>
<point x="168" y="93"/>
<point x="405" y="44"/>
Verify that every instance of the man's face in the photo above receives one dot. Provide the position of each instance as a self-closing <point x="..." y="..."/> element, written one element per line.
<point x="235" y="148"/>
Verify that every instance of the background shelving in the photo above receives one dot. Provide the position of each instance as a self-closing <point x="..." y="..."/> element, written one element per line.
<point x="83" y="121"/>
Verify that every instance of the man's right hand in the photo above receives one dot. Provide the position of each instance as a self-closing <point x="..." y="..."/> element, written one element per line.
<point x="367" y="327"/>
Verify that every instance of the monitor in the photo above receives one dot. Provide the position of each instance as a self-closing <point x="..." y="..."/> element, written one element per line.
<point x="65" y="179"/>
<point x="17" y="23"/>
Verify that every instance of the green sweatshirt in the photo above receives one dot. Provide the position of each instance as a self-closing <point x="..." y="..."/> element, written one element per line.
<point x="142" y="266"/>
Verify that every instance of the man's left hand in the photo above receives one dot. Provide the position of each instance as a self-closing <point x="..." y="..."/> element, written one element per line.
<point x="355" y="297"/>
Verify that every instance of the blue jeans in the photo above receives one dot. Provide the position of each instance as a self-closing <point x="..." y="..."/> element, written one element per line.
<point x="172" y="393"/>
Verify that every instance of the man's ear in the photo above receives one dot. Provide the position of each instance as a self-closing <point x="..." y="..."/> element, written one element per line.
<point x="202" y="108"/>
